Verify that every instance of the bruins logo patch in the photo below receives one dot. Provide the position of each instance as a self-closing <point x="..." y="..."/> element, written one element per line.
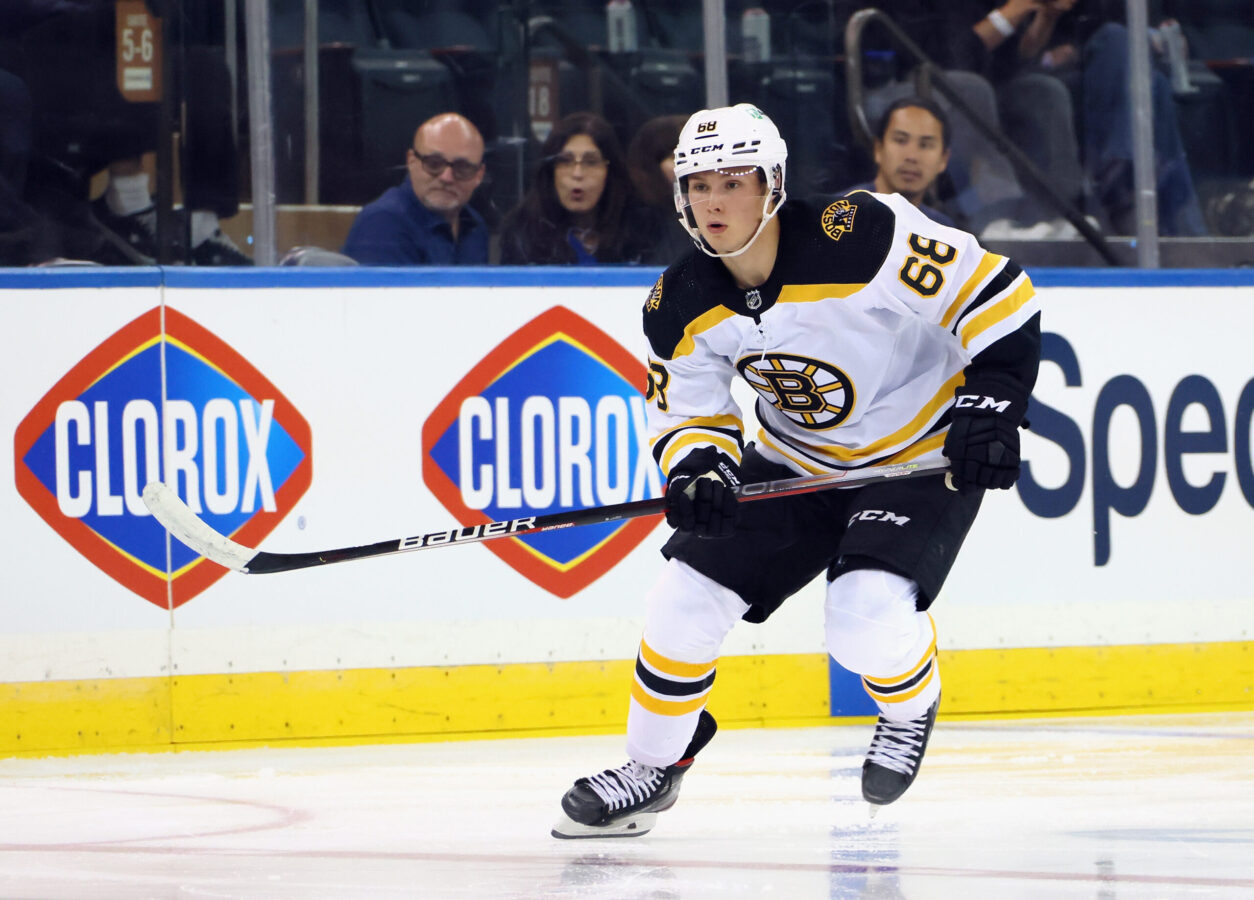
<point x="838" y="219"/>
<point x="814" y="394"/>
<point x="655" y="296"/>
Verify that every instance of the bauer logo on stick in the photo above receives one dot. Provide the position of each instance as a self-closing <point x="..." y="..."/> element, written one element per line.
<point x="551" y="420"/>
<point x="224" y="438"/>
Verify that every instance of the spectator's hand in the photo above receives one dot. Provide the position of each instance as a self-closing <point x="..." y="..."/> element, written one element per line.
<point x="1063" y="56"/>
<point x="1017" y="10"/>
<point x="699" y="496"/>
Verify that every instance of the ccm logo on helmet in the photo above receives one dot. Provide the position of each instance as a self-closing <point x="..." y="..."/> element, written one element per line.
<point x="966" y="401"/>
<point x="707" y="149"/>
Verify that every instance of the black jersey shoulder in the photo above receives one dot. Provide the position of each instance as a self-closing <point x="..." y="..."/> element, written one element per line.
<point x="692" y="286"/>
<point x="836" y="240"/>
<point x="843" y="240"/>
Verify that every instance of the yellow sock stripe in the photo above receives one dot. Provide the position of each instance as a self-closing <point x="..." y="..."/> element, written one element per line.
<point x="903" y="697"/>
<point x="665" y="707"/>
<point x="672" y="667"/>
<point x="913" y="670"/>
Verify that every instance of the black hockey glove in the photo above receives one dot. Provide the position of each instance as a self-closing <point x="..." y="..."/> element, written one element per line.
<point x="699" y="498"/>
<point x="983" y="440"/>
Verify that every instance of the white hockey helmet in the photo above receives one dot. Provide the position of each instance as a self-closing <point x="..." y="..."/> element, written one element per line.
<point x="730" y="138"/>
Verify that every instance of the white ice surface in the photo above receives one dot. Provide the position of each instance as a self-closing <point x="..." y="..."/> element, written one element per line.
<point x="1130" y="807"/>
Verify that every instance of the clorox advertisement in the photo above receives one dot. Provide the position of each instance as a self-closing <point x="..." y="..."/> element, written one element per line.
<point x="551" y="420"/>
<point x="297" y="416"/>
<point x="161" y="399"/>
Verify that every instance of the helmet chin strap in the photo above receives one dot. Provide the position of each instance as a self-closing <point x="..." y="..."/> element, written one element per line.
<point x="767" y="215"/>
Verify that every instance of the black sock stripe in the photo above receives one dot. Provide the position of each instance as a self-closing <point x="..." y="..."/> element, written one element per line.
<point x="905" y="685"/>
<point x="665" y="686"/>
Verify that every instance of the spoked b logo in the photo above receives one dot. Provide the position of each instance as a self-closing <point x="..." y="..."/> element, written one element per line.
<point x="814" y="394"/>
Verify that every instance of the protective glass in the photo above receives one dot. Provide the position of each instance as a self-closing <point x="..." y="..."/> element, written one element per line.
<point x="434" y="165"/>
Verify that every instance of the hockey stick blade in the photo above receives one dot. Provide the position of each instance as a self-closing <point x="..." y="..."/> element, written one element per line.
<point x="189" y="528"/>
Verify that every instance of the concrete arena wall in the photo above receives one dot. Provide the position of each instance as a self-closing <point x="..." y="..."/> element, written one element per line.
<point x="318" y="409"/>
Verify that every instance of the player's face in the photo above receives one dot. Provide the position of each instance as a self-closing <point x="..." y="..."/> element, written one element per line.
<point x="727" y="206"/>
<point x="445" y="147"/>
<point x="579" y="174"/>
<point x="911" y="153"/>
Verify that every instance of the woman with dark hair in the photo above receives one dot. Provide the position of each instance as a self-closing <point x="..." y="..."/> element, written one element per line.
<point x="579" y="208"/>
<point x="651" y="164"/>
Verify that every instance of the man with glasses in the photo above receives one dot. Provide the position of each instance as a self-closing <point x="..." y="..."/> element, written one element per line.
<point x="425" y="220"/>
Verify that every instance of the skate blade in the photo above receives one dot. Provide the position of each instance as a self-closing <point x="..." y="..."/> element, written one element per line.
<point x="568" y="829"/>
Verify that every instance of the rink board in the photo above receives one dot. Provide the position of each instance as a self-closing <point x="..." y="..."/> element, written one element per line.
<point x="337" y="408"/>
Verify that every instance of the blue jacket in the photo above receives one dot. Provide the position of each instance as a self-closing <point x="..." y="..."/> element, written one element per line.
<point x="397" y="230"/>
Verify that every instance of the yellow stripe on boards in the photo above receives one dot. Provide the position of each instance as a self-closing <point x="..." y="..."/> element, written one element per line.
<point x="1131" y="678"/>
<point x="84" y="716"/>
<point x="476" y="702"/>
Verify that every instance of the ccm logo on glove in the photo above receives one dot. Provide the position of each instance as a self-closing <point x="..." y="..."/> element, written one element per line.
<point x="969" y="401"/>
<point x="983" y="440"/>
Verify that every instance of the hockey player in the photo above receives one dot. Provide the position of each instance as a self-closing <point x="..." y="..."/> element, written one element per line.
<point x="871" y="335"/>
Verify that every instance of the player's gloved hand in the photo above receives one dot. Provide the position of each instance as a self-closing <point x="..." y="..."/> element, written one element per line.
<point x="699" y="498"/>
<point x="983" y="440"/>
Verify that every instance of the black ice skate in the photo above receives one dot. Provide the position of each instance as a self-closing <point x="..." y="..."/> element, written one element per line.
<point x="624" y="802"/>
<point x="894" y="758"/>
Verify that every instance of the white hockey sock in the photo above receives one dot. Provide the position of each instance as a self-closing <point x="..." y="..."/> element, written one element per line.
<point x="688" y="616"/>
<point x="906" y="690"/>
<point x="128" y="194"/>
<point x="874" y="629"/>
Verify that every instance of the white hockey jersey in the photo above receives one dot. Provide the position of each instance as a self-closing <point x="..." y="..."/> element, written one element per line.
<point x="871" y="317"/>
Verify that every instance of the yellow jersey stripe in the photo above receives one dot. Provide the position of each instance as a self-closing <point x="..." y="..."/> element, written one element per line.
<point x="915" y="425"/>
<point x="996" y="313"/>
<point x="918" y="448"/>
<point x="784" y="450"/>
<point x="990" y="262"/>
<point x="703" y="322"/>
<point x="721" y="441"/>
<point x="702" y="422"/>
<point x="812" y="293"/>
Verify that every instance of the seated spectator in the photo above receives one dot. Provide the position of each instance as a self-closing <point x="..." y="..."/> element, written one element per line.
<point x="126" y="209"/>
<point x="82" y="124"/>
<point x="988" y="193"/>
<point x="579" y="207"/>
<point x="651" y="164"/>
<point x="425" y="220"/>
<point x="1094" y="65"/>
<point x="911" y="151"/>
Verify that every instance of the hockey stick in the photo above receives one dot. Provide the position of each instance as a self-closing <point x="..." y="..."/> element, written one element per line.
<point x="189" y="528"/>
